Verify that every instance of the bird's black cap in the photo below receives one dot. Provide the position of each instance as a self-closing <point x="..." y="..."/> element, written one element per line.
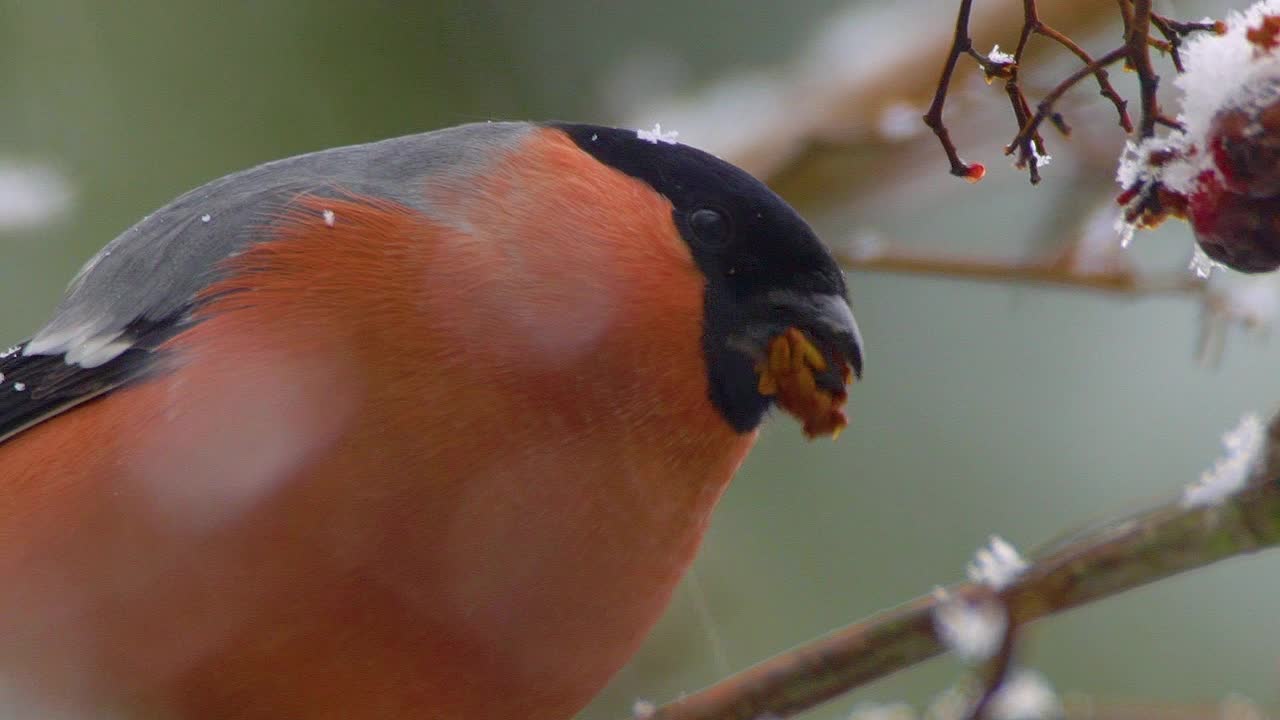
<point x="765" y="267"/>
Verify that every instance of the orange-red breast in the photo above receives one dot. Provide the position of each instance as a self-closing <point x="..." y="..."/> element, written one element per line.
<point x="425" y="428"/>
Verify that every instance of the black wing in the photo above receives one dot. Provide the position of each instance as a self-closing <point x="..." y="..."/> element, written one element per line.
<point x="34" y="388"/>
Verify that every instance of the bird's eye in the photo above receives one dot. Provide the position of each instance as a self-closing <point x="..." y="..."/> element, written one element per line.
<point x="710" y="227"/>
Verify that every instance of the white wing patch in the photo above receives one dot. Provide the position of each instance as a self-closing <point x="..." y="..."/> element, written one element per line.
<point x="79" y="346"/>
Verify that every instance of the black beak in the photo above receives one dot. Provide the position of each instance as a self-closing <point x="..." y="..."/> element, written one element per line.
<point x="824" y="317"/>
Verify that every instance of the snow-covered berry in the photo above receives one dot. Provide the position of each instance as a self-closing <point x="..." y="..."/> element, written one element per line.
<point x="1221" y="168"/>
<point x="1237" y="230"/>
<point x="1245" y="143"/>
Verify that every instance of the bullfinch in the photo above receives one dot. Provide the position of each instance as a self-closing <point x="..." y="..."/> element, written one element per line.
<point x="429" y="427"/>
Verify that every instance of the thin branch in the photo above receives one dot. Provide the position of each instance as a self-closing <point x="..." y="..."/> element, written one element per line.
<point x="996" y="672"/>
<point x="1187" y="28"/>
<point x="1028" y="142"/>
<point x="1138" y="550"/>
<point x="1218" y="312"/>
<point x="1145" y="711"/>
<point x="1030" y="22"/>
<point x="846" y="114"/>
<point x="1126" y="15"/>
<point x="1105" y="88"/>
<point x="961" y="44"/>
<point x="1138" y="19"/>
<point x="1173" y="41"/>
<point x="1054" y="273"/>
<point x="1032" y="145"/>
<point x="1045" y="108"/>
<point x="1139" y="57"/>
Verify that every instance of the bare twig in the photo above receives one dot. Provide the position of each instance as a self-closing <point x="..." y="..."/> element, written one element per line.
<point x="1137" y="18"/>
<point x="1030" y="145"/>
<point x="822" y="149"/>
<point x="1139" y="57"/>
<point x="961" y="44"/>
<point x="1145" y="711"/>
<point x="1054" y="272"/>
<point x="1174" y="32"/>
<point x="1135" y="551"/>
<point x="1173" y="41"/>
<point x="1029" y="127"/>
<point x="998" y="667"/>
<point x="1105" y="87"/>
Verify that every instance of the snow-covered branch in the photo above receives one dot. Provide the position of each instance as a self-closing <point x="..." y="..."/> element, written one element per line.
<point x="1233" y="510"/>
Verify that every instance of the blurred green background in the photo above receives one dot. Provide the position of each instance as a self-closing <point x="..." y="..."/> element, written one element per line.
<point x="986" y="408"/>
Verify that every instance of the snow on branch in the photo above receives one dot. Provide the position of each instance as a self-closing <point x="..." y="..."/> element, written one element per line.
<point x="1211" y="521"/>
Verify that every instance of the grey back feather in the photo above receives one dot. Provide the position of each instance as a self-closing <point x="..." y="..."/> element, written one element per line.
<point x="139" y="290"/>
<point x="154" y="270"/>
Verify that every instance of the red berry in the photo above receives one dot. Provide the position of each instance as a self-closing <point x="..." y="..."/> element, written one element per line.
<point x="1246" y="149"/>
<point x="1266" y="36"/>
<point x="1238" y="231"/>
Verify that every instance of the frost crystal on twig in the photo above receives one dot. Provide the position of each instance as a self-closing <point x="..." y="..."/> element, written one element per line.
<point x="1243" y="446"/>
<point x="999" y="56"/>
<point x="1201" y="264"/>
<point x="656" y="135"/>
<point x="996" y="565"/>
<point x="971" y="630"/>
<point x="1027" y="695"/>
